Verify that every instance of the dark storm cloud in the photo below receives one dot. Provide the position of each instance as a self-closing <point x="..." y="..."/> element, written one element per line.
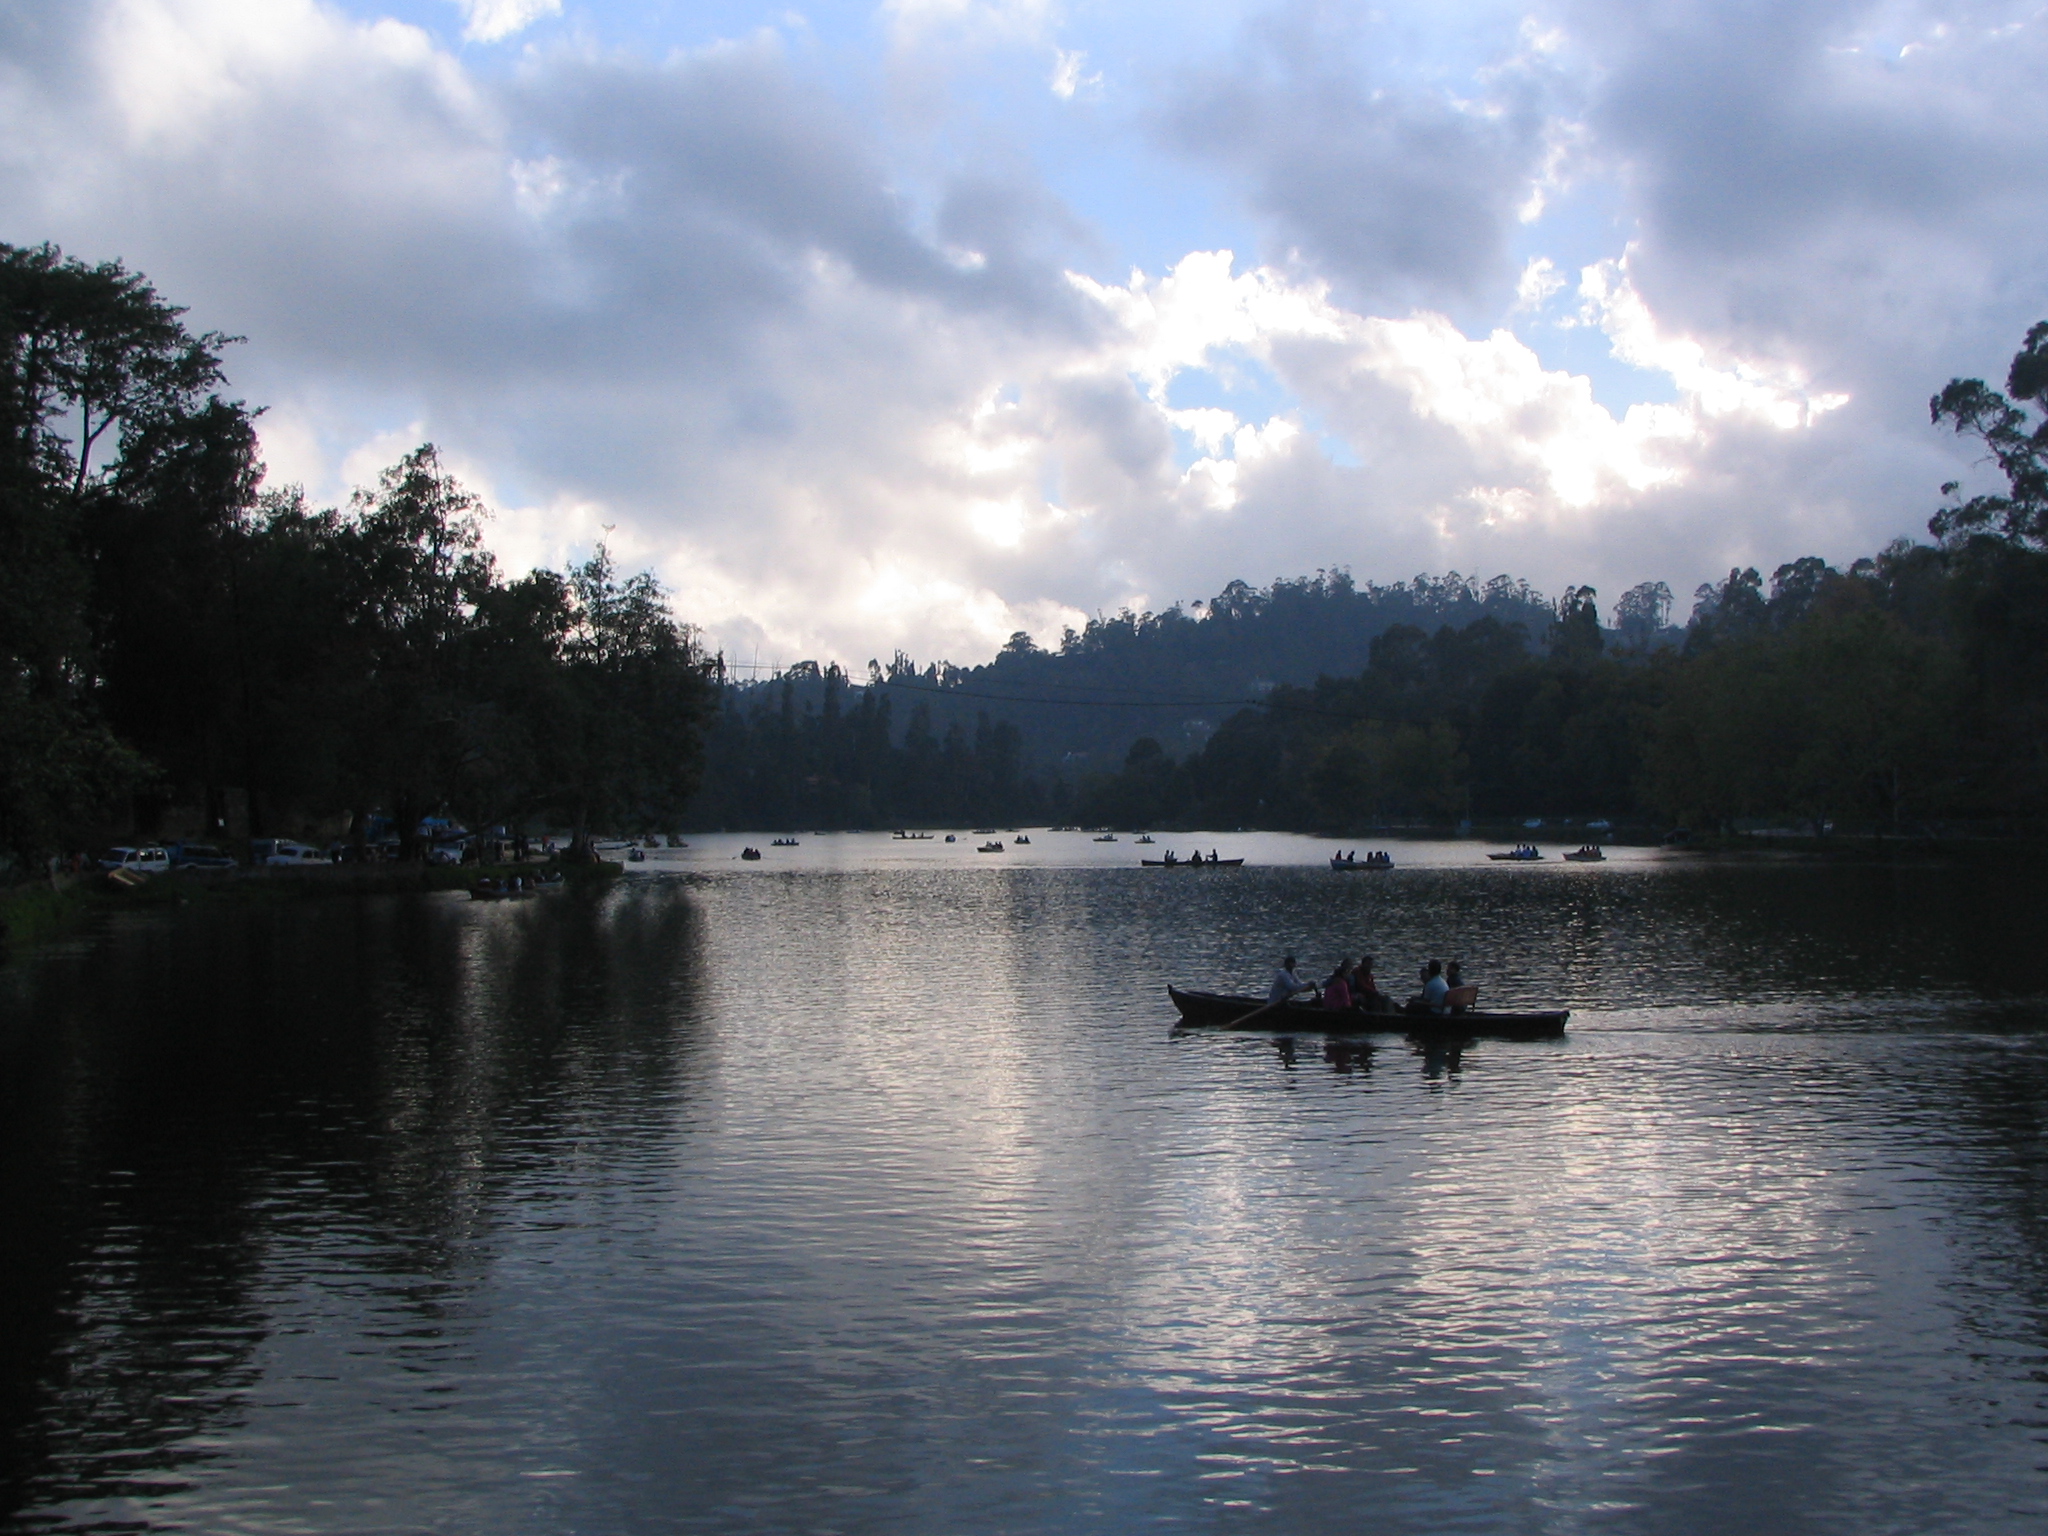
<point x="1395" y="187"/>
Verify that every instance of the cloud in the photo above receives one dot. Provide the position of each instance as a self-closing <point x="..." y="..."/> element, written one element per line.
<point x="848" y="388"/>
<point x="1068" y="78"/>
<point x="1399" y="188"/>
<point x="489" y="21"/>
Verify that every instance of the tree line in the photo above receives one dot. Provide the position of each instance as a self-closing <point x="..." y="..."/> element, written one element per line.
<point x="1908" y="689"/>
<point x="170" y="633"/>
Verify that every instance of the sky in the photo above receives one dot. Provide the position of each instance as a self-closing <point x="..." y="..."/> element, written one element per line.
<point x="912" y="325"/>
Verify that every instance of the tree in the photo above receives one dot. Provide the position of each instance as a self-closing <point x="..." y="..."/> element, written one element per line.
<point x="1642" y="613"/>
<point x="2017" y="443"/>
<point x="111" y="425"/>
<point x="628" y="741"/>
<point x="1576" y="634"/>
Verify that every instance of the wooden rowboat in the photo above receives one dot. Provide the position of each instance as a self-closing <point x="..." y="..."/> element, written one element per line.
<point x="1192" y="863"/>
<point x="1214" y="1010"/>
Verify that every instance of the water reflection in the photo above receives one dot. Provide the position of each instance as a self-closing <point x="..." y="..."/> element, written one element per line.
<point x="225" y="1138"/>
<point x="877" y="1199"/>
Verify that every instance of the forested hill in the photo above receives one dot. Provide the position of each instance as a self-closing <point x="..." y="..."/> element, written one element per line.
<point x="1049" y="718"/>
<point x="1082" y="702"/>
<point x="1905" y="692"/>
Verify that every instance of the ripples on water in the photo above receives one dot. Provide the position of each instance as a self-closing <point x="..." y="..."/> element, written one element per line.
<point x="882" y="1198"/>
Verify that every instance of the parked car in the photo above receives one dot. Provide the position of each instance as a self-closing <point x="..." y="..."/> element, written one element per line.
<point x="199" y="856"/>
<point x="147" y="860"/>
<point x="282" y="852"/>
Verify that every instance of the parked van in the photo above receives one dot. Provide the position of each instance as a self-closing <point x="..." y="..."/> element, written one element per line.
<point x="137" y="861"/>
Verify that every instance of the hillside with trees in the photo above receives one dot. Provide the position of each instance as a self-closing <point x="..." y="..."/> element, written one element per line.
<point x="1907" y="691"/>
<point x="169" y="636"/>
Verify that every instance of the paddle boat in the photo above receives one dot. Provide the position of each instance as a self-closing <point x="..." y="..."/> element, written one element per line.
<point x="1525" y="853"/>
<point x="1589" y="854"/>
<point x="1346" y="863"/>
<point x="994" y="846"/>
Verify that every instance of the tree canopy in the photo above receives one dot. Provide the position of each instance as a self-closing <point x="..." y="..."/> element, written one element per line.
<point x="169" y="632"/>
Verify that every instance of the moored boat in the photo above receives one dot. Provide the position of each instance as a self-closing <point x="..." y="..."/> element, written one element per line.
<point x="1214" y="1010"/>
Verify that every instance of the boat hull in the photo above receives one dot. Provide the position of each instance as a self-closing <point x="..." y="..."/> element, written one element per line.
<point x="1212" y="1010"/>
<point x="1193" y="864"/>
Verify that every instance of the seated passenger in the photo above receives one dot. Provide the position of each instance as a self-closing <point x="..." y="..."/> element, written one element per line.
<point x="1337" y="990"/>
<point x="1365" y="992"/>
<point x="1434" y="987"/>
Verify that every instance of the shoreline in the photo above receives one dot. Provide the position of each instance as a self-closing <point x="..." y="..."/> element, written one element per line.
<point x="35" y="913"/>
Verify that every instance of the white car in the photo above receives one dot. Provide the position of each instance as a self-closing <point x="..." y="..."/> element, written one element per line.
<point x="284" y="853"/>
<point x="137" y="861"/>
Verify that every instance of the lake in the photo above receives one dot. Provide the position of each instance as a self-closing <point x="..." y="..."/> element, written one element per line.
<point x="870" y="1188"/>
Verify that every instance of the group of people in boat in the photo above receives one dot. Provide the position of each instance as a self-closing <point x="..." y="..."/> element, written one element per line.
<point x="490" y="886"/>
<point x="1379" y="858"/>
<point x="1352" y="986"/>
<point x="1172" y="858"/>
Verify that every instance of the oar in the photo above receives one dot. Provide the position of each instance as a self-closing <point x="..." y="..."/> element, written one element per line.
<point x="1258" y="1013"/>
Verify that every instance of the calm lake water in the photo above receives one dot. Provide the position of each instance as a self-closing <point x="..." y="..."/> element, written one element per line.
<point x="869" y="1189"/>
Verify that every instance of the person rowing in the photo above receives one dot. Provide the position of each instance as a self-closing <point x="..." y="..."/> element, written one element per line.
<point x="1286" y="984"/>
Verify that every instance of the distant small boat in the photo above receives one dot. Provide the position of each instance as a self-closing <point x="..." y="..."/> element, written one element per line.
<point x="1346" y="864"/>
<point x="1586" y="855"/>
<point x="951" y="838"/>
<point x="784" y="842"/>
<point x="635" y="856"/>
<point x="1528" y="853"/>
<point x="1023" y="840"/>
<point x="1107" y="837"/>
<point x="913" y="837"/>
<point x="1197" y="862"/>
<point x="994" y="847"/>
<point x="750" y="853"/>
<point x="1145" y="838"/>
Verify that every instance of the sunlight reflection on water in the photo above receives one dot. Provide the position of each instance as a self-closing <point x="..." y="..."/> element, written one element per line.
<point x="880" y="1196"/>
